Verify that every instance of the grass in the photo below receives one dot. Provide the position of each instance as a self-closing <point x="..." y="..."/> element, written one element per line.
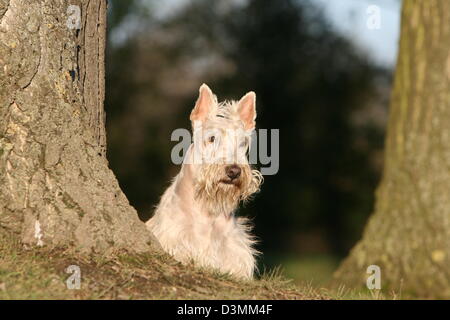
<point x="40" y="273"/>
<point x="314" y="268"/>
<point x="316" y="271"/>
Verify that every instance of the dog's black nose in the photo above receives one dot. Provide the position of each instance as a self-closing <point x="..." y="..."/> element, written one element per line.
<point x="233" y="172"/>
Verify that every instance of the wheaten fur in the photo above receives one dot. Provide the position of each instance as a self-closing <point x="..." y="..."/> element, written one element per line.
<point x="195" y="219"/>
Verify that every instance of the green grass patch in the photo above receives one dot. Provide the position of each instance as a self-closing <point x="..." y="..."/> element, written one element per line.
<point x="40" y="273"/>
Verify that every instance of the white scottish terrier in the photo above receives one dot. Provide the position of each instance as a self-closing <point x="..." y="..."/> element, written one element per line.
<point x="195" y="219"/>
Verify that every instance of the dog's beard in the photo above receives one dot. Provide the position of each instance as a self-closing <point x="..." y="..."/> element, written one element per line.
<point x="220" y="196"/>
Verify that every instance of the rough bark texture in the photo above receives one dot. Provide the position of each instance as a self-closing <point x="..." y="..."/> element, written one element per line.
<point x="408" y="236"/>
<point x="55" y="184"/>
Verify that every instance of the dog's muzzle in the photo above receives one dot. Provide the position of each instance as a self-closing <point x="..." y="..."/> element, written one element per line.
<point x="233" y="172"/>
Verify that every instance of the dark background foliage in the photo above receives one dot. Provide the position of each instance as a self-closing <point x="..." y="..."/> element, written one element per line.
<point x="328" y="100"/>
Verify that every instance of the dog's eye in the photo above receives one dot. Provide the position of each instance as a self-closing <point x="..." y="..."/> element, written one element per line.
<point x="212" y="139"/>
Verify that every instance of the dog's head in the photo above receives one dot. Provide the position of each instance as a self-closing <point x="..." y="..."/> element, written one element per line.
<point x="222" y="137"/>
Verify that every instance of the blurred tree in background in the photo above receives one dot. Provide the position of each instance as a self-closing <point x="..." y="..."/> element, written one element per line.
<point x="408" y="236"/>
<point x="326" y="98"/>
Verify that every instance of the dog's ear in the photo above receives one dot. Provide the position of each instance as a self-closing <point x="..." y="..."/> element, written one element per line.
<point x="247" y="110"/>
<point x="205" y="103"/>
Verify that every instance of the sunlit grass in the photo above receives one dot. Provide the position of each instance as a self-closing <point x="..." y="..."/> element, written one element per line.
<point x="40" y="273"/>
<point x="316" y="269"/>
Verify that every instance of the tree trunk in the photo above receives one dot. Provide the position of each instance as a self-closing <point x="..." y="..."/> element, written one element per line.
<point x="55" y="184"/>
<point x="408" y="236"/>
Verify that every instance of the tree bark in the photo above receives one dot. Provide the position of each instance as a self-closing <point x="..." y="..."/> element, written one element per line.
<point x="55" y="184"/>
<point x="408" y="235"/>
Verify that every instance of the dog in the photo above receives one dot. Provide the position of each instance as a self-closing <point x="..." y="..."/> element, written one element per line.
<point x="195" y="219"/>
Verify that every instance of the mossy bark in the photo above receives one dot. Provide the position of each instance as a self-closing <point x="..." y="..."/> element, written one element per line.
<point x="55" y="184"/>
<point x="408" y="235"/>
